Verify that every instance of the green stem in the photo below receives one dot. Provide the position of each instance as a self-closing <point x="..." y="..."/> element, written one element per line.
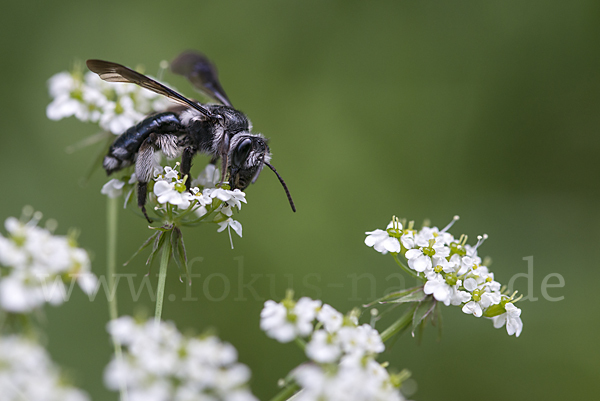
<point x="300" y="343"/>
<point x="287" y="392"/>
<point x="112" y="218"/>
<point x="399" y="325"/>
<point x="162" y="278"/>
<point x="111" y="254"/>
<point x="405" y="268"/>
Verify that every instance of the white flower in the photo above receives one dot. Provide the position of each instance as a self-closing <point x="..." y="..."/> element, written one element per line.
<point x="38" y="264"/>
<point x="61" y="83"/>
<point x="20" y="293"/>
<point x="482" y="298"/>
<point x="466" y="264"/>
<point x="159" y="363"/>
<point x="354" y="380"/>
<point x="167" y="193"/>
<point x="11" y="254"/>
<point x="171" y="174"/>
<point x="74" y="97"/>
<point x="68" y="97"/>
<point x="422" y="259"/>
<point x="209" y="177"/>
<point x="417" y="260"/>
<point x="360" y="340"/>
<point x="113" y="188"/>
<point x="285" y="323"/>
<point x="236" y="225"/>
<point x="28" y="373"/>
<point x="231" y="198"/>
<point x="512" y="319"/>
<point x="408" y="240"/>
<point x="323" y="347"/>
<point x="124" y="329"/>
<point x="274" y="321"/>
<point x="381" y="241"/>
<point x="332" y="319"/>
<point x="444" y="292"/>
<point x="115" y="107"/>
<point x="236" y="198"/>
<point x="118" y="116"/>
<point x="306" y="310"/>
<point x="470" y="284"/>
<point x="344" y="367"/>
<point x="472" y="308"/>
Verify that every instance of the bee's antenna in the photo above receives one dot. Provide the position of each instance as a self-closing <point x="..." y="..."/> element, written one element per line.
<point x="287" y="192"/>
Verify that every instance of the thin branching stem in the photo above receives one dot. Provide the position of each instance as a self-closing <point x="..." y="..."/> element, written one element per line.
<point x="405" y="268"/>
<point x="399" y="325"/>
<point x="287" y="392"/>
<point x="300" y="343"/>
<point x="112" y="219"/>
<point x="162" y="278"/>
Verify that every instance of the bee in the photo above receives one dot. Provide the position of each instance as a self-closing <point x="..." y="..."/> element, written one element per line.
<point x="215" y="129"/>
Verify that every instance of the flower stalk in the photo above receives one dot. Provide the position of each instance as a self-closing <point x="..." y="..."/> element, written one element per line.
<point x="162" y="278"/>
<point x="287" y="392"/>
<point x="400" y="325"/>
<point x="112" y="219"/>
<point x="406" y="269"/>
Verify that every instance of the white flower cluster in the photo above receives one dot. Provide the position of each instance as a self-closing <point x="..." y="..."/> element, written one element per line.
<point x="451" y="269"/>
<point x="342" y="353"/>
<point x="89" y="98"/>
<point x="27" y="373"/>
<point x="170" y="188"/>
<point x="36" y="265"/>
<point x="159" y="363"/>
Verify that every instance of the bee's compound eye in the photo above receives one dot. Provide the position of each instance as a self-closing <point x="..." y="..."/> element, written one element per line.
<point x="241" y="152"/>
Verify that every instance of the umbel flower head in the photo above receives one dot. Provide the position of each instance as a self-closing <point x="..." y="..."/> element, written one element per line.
<point x="28" y="373"/>
<point x="159" y="363"/>
<point x="342" y="353"/>
<point x="36" y="266"/>
<point x="178" y="207"/>
<point x="90" y="99"/>
<point x="452" y="271"/>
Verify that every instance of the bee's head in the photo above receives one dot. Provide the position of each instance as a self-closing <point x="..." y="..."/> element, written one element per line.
<point x="247" y="157"/>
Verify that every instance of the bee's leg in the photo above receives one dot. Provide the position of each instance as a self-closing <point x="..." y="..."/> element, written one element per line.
<point x="186" y="165"/>
<point x="224" y="154"/>
<point x="144" y="167"/>
<point x="142" y="188"/>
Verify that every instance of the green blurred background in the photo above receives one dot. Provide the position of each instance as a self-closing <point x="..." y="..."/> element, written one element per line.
<point x="489" y="110"/>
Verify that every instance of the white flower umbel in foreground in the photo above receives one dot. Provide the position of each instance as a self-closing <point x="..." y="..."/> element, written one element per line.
<point x="36" y="266"/>
<point x="451" y="270"/>
<point x="161" y="364"/>
<point x="342" y="353"/>
<point x="27" y="373"/>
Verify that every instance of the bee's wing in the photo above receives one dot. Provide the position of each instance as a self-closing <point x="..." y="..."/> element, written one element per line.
<point x="113" y="72"/>
<point x="202" y="74"/>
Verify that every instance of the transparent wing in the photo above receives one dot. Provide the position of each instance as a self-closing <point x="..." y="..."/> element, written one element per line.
<point x="113" y="72"/>
<point x="202" y="73"/>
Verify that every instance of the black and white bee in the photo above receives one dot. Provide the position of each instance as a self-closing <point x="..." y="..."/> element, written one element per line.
<point x="217" y="130"/>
